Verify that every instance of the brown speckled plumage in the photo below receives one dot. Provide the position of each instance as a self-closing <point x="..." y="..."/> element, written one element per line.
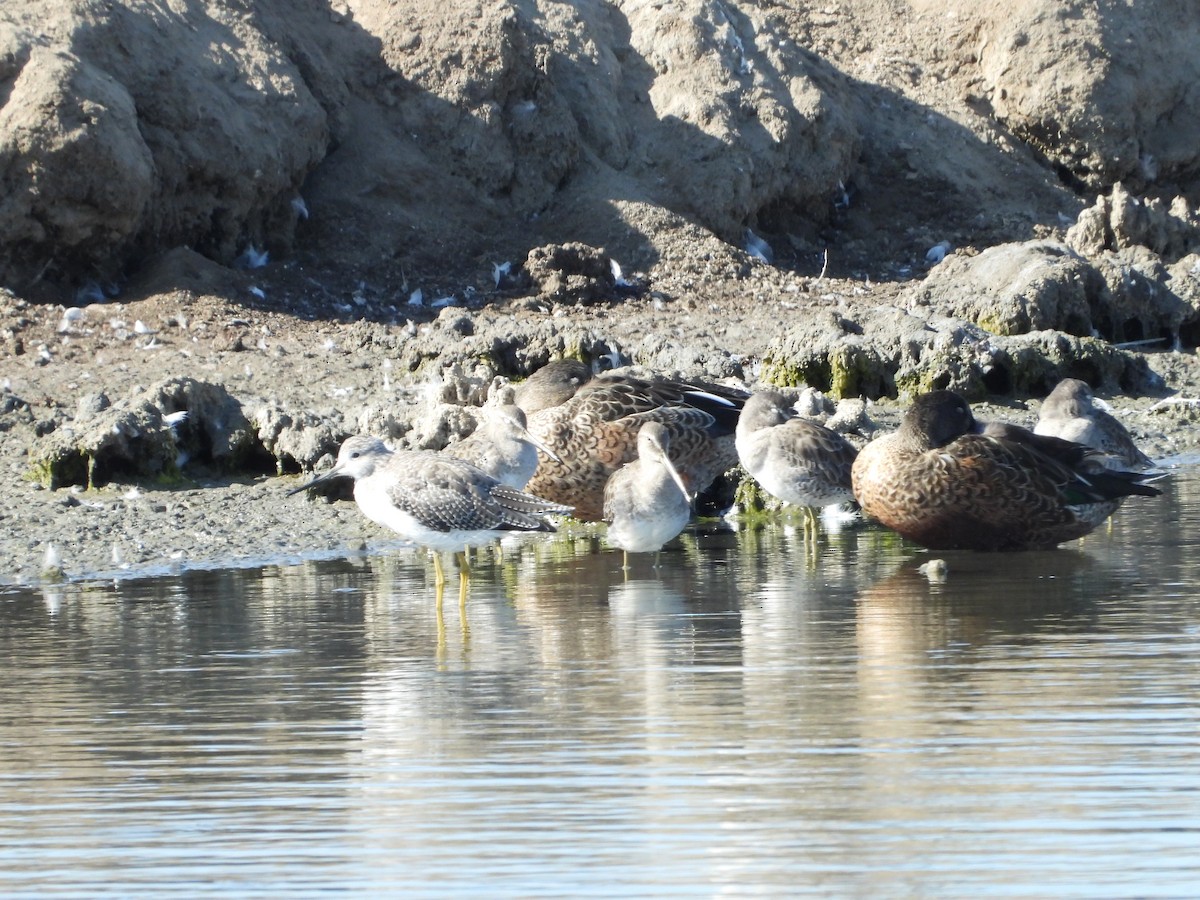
<point x="945" y="483"/>
<point x="594" y="433"/>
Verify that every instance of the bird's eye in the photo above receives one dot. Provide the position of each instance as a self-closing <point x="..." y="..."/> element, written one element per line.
<point x="355" y="455"/>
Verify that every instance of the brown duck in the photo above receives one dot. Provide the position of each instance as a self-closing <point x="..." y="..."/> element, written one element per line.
<point x="594" y="432"/>
<point x="947" y="482"/>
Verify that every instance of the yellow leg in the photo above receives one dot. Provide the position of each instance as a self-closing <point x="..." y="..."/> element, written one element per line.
<point x="441" y="621"/>
<point x="439" y="577"/>
<point x="464" y="578"/>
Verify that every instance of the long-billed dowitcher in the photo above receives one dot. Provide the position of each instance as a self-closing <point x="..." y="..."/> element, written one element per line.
<point x="1070" y="412"/>
<point x="646" y="502"/>
<point x="796" y="460"/>
<point x="594" y="433"/>
<point x="435" y="501"/>
<point x="946" y="482"/>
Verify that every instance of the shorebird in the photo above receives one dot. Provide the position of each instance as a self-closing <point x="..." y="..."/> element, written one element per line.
<point x="796" y="460"/>
<point x="646" y="502"/>
<point x="946" y="482"/>
<point x="502" y="446"/>
<point x="435" y="501"/>
<point x="594" y="433"/>
<point x="1070" y="412"/>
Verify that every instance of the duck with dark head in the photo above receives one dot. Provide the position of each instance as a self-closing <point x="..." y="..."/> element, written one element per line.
<point x="947" y="482"/>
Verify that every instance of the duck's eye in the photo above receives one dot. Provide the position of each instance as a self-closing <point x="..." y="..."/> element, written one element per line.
<point x="355" y="455"/>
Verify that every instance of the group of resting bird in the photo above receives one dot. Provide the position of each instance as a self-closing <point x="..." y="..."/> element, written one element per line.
<point x="635" y="451"/>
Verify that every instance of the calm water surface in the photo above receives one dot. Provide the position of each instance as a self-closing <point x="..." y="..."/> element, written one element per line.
<point x="749" y="718"/>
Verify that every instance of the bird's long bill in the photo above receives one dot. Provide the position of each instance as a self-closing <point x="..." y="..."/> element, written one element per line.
<point x="320" y="479"/>
<point x="528" y="435"/>
<point x="677" y="478"/>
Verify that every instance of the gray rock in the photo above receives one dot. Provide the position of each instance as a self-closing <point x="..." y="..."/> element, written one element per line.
<point x="888" y="351"/>
<point x="1017" y="288"/>
<point x="133" y="438"/>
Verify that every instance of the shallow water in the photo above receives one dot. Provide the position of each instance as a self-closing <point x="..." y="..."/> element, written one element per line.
<point x="749" y="718"/>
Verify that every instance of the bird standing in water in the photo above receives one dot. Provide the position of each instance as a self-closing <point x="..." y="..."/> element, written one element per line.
<point x="946" y="482"/>
<point x="646" y="502"/>
<point x="435" y="501"/>
<point x="796" y="460"/>
<point x="594" y="433"/>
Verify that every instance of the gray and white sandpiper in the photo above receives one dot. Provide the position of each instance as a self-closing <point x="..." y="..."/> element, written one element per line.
<point x="1071" y="412"/>
<point x="792" y="458"/>
<point x="502" y="446"/>
<point x="646" y="502"/>
<point x="436" y="501"/>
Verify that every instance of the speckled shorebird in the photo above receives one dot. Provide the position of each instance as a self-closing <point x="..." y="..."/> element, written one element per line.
<point x="946" y="482"/>
<point x="502" y="446"/>
<point x="595" y="431"/>
<point x="796" y="460"/>
<point x="435" y="501"/>
<point x="646" y="502"/>
<point x="1070" y="412"/>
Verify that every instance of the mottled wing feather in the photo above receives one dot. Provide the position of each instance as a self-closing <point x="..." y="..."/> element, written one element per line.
<point x="811" y="447"/>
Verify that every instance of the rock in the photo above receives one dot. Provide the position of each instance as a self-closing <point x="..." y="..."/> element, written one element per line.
<point x="571" y="273"/>
<point x="133" y="438"/>
<point x="889" y="351"/>
<point x="1119" y="220"/>
<point x="1089" y="86"/>
<point x="1143" y="304"/>
<point x="124" y="131"/>
<point x="1016" y="288"/>
<point x="130" y="439"/>
<point x="297" y="440"/>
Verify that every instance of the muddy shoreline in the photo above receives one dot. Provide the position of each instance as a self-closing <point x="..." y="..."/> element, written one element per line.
<point x="331" y="378"/>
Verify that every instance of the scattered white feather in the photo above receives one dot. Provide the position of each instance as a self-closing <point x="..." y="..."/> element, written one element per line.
<point x="937" y="252"/>
<point x="500" y="271"/>
<point x="52" y="561"/>
<point x="91" y="292"/>
<point x="300" y="207"/>
<point x="140" y="327"/>
<point x="837" y="516"/>
<point x="70" y="316"/>
<point x="133" y="493"/>
<point x="442" y="301"/>
<point x="252" y="258"/>
<point x="175" y="418"/>
<point x="934" y="570"/>
<point x="259" y="293"/>
<point x="757" y="247"/>
<point x="416" y="298"/>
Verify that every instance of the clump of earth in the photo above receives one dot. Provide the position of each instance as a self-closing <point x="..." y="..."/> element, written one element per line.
<point x="230" y="237"/>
